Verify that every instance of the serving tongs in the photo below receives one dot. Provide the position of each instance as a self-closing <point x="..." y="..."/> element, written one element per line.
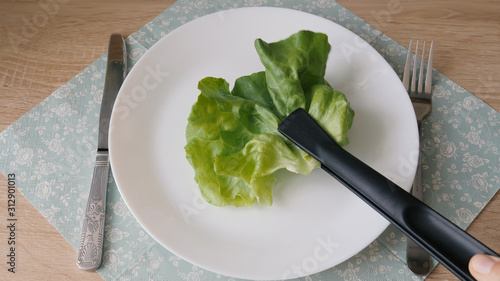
<point x="446" y="242"/>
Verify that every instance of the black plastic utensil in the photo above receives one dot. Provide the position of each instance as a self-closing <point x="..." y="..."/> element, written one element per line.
<point x="446" y="242"/>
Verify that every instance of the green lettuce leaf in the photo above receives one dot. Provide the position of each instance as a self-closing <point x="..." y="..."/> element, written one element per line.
<point x="232" y="138"/>
<point x="293" y="66"/>
<point x="331" y="110"/>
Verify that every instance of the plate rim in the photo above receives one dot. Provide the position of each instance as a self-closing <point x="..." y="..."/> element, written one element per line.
<point x="158" y="45"/>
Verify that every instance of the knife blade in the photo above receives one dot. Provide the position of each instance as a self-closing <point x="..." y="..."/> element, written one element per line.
<point x="89" y="254"/>
<point x="445" y="241"/>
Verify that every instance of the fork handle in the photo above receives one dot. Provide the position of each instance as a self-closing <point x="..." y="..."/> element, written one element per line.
<point x="417" y="189"/>
<point x="448" y="243"/>
<point x="418" y="260"/>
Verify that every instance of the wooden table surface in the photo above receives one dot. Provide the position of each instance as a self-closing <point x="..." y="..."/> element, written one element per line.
<point x="36" y="59"/>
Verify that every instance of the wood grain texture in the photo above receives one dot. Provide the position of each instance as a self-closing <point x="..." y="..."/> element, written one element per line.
<point x="35" y="60"/>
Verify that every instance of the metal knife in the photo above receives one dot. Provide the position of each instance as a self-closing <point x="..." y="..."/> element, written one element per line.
<point x="89" y="254"/>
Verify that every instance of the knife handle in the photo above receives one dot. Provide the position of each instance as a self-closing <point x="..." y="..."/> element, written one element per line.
<point x="448" y="243"/>
<point x="89" y="254"/>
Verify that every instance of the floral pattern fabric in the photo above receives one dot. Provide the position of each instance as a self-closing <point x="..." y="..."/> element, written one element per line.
<point x="51" y="149"/>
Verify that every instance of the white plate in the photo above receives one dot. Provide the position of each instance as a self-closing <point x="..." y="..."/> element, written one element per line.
<point x="315" y="223"/>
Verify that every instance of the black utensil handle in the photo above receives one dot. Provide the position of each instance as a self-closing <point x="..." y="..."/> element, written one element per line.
<point x="449" y="244"/>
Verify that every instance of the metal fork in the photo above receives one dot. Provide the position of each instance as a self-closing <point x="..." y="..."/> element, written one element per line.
<point x="418" y="260"/>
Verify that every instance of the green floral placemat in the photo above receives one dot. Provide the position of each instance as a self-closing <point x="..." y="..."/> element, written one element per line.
<point x="51" y="149"/>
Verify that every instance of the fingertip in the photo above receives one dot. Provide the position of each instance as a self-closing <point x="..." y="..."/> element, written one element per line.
<point x="483" y="267"/>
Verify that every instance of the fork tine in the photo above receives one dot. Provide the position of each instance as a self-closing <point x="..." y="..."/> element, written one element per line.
<point x="406" y="73"/>
<point x="421" y="74"/>
<point x="428" y="76"/>
<point x="414" y="74"/>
